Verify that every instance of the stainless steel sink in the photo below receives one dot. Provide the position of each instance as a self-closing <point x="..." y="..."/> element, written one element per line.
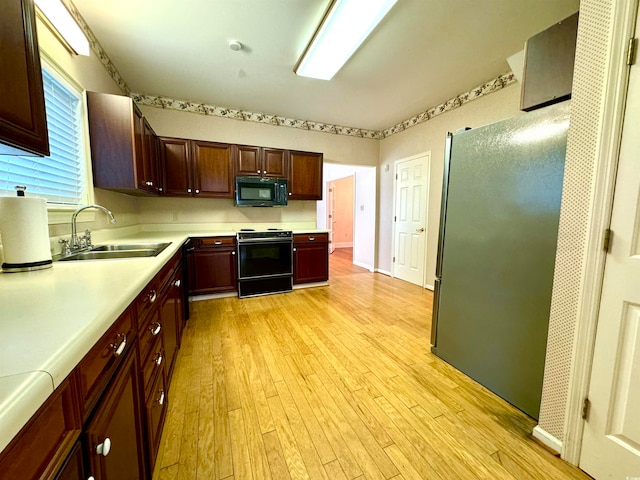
<point x="123" y="250"/>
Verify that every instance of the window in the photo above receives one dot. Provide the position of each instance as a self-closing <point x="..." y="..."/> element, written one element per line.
<point x="60" y="177"/>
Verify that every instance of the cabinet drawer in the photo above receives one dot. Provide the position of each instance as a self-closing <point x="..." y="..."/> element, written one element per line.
<point x="146" y="300"/>
<point x="215" y="242"/>
<point x="97" y="367"/>
<point x="155" y="409"/>
<point x="311" y="237"/>
<point x="167" y="272"/>
<point x="151" y="329"/>
<point x="43" y="444"/>
<point x="152" y="364"/>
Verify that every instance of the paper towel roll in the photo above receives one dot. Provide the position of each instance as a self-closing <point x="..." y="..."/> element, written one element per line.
<point x="24" y="229"/>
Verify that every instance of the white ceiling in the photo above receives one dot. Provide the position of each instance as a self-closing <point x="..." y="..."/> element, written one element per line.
<point x="423" y="53"/>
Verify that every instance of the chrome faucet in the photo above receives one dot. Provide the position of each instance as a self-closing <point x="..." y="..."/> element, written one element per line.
<point x="75" y="241"/>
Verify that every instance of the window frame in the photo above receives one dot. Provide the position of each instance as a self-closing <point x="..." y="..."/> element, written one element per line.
<point x="60" y="213"/>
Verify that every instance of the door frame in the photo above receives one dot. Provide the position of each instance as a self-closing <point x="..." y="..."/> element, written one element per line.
<point x="601" y="203"/>
<point x="427" y="154"/>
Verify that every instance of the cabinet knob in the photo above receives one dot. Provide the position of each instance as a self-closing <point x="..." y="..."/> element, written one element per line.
<point x="104" y="448"/>
<point x="155" y="330"/>
<point x="118" y="348"/>
<point x="177" y="283"/>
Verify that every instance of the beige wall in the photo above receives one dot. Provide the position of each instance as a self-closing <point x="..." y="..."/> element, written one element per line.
<point x="430" y="136"/>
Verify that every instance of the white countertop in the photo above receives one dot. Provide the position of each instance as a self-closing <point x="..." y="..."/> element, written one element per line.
<point x="50" y="319"/>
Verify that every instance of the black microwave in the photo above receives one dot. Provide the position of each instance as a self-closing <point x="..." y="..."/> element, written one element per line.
<point x="261" y="192"/>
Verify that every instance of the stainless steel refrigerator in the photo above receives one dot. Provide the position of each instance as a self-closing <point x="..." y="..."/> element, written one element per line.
<point x="496" y="252"/>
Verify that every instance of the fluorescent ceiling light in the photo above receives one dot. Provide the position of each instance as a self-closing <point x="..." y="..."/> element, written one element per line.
<point x="58" y="18"/>
<point x="344" y="27"/>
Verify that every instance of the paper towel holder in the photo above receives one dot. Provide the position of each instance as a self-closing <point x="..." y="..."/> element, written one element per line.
<point x="9" y="267"/>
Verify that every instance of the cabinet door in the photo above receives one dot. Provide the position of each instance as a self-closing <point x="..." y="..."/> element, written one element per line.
<point x="212" y="270"/>
<point x="248" y="162"/>
<point x="73" y="469"/>
<point x="175" y="161"/>
<point x="310" y="262"/>
<point x="170" y="326"/>
<point x="114" y="437"/>
<point x="212" y="169"/>
<point x="274" y="163"/>
<point x="149" y="158"/>
<point x="23" y="121"/>
<point x="305" y="176"/>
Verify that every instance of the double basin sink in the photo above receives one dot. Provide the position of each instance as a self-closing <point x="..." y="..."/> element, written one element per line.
<point x="121" y="250"/>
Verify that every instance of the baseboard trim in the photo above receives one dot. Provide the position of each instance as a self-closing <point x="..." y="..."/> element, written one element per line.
<point x="309" y="285"/>
<point x="363" y="265"/>
<point x="547" y="439"/>
<point x="212" y="296"/>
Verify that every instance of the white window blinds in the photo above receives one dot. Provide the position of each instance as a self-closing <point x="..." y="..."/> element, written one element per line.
<point x="60" y="177"/>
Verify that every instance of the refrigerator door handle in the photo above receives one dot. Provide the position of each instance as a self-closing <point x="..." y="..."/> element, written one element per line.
<point x="434" y="315"/>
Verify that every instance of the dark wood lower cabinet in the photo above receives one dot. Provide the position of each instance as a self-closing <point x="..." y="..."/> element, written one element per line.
<point x="310" y="258"/>
<point x="213" y="266"/>
<point x="114" y="437"/>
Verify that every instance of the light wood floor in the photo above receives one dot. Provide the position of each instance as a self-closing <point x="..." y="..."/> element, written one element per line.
<point x="336" y="383"/>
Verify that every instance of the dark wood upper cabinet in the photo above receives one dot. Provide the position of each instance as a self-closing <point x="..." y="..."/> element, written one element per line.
<point x="175" y="163"/>
<point x="23" y="118"/>
<point x="212" y="169"/>
<point x="548" y="65"/>
<point x="122" y="151"/>
<point x="260" y="162"/>
<point x="305" y="175"/>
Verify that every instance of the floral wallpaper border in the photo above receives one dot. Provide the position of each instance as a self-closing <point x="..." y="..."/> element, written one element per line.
<point x="486" y="88"/>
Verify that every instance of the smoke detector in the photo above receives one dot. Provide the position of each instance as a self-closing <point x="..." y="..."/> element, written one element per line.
<point x="235" y="45"/>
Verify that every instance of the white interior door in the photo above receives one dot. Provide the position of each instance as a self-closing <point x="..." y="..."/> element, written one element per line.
<point x="611" y="442"/>
<point x="412" y="194"/>
<point x="331" y="214"/>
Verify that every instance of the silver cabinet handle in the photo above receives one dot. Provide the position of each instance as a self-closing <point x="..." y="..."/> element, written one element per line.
<point x="161" y="399"/>
<point x="104" y="448"/>
<point x="177" y="283"/>
<point x="155" y="330"/>
<point x="118" y="349"/>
